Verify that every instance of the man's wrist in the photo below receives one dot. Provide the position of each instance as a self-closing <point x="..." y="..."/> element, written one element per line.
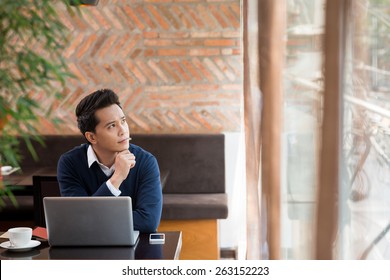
<point x="115" y="181"/>
<point x="114" y="190"/>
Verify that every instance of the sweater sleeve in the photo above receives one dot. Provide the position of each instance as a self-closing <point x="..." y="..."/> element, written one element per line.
<point x="148" y="199"/>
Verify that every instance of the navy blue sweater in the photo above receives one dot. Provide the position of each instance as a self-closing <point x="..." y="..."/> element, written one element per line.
<point x="142" y="184"/>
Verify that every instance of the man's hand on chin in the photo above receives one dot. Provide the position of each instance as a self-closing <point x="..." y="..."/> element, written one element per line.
<point x="124" y="161"/>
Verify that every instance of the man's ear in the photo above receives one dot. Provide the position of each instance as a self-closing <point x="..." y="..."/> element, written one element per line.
<point x="90" y="136"/>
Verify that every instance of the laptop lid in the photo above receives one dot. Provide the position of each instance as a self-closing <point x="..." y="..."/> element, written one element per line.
<point x="89" y="221"/>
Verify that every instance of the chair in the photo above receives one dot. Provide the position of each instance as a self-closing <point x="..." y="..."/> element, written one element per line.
<point x="43" y="186"/>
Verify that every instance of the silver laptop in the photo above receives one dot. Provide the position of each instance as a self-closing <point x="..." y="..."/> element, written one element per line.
<point x="89" y="221"/>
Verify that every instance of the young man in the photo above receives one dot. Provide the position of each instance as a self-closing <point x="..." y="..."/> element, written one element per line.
<point x="108" y="165"/>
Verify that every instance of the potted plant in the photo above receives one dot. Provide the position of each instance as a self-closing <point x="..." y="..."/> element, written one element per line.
<point x="32" y="39"/>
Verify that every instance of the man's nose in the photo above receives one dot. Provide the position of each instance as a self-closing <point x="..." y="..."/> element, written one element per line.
<point x="123" y="128"/>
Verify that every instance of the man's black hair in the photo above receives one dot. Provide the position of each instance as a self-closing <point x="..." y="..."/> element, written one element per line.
<point x="85" y="110"/>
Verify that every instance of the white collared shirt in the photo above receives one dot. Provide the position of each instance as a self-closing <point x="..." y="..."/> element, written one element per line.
<point x="91" y="156"/>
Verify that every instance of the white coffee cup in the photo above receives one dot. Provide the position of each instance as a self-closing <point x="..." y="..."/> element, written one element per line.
<point x="19" y="236"/>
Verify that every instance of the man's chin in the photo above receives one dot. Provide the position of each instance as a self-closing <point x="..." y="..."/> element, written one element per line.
<point x="124" y="146"/>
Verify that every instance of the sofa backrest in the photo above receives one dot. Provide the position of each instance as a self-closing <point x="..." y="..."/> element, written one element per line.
<point x="195" y="162"/>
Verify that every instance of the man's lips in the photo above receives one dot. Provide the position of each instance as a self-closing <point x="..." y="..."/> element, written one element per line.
<point x="124" y="140"/>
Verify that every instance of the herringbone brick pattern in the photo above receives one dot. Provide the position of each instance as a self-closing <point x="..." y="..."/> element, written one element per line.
<point x="176" y="64"/>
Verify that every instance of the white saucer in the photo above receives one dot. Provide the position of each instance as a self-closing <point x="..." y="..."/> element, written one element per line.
<point x="30" y="245"/>
<point x="7" y="170"/>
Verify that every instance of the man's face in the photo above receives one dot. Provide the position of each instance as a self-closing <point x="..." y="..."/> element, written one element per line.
<point x="112" y="132"/>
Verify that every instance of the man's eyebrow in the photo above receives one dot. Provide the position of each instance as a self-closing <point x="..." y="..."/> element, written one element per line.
<point x="109" y="123"/>
<point x="112" y="122"/>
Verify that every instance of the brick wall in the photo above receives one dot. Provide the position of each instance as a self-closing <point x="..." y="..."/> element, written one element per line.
<point x="176" y="64"/>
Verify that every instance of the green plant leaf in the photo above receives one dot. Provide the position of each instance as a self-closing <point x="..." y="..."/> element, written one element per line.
<point x="32" y="41"/>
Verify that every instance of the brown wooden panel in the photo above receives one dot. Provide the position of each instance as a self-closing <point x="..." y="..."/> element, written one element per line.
<point x="200" y="238"/>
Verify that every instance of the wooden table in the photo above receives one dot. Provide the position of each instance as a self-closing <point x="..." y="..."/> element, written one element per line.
<point x="21" y="181"/>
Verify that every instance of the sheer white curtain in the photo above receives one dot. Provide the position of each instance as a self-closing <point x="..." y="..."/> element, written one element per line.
<point x="264" y="28"/>
<point x="348" y="104"/>
<point x="252" y="108"/>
